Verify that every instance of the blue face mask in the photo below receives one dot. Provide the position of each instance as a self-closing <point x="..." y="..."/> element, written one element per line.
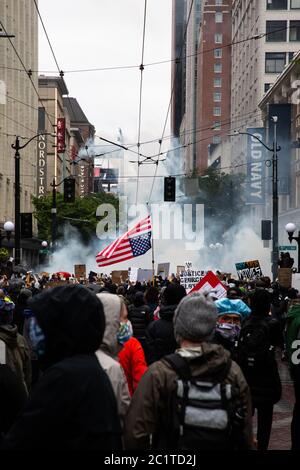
<point x="37" y="337"/>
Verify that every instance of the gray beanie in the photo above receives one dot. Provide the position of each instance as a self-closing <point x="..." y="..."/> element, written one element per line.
<point x="195" y="318"/>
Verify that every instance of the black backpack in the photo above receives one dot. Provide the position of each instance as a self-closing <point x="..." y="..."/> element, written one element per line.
<point x="201" y="412"/>
<point x="254" y="351"/>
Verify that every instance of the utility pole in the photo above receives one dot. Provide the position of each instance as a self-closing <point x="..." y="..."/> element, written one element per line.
<point x="17" y="147"/>
<point x="275" y="252"/>
<point x="54" y="215"/>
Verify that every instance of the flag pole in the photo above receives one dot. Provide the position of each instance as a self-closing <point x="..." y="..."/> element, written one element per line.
<point x="152" y="245"/>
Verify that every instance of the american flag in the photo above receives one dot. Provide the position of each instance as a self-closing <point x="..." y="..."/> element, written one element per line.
<point x="135" y="242"/>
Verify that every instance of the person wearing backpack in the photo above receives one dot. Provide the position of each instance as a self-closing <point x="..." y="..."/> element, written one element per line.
<point x="196" y="398"/>
<point x="260" y="335"/>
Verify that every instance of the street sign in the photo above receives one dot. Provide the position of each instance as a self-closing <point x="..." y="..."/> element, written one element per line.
<point x="287" y="248"/>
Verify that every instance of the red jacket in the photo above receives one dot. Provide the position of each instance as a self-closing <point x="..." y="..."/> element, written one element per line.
<point x="132" y="359"/>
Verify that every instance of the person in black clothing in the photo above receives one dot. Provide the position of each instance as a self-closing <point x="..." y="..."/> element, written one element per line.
<point x="73" y="406"/>
<point x="262" y="373"/>
<point x="140" y="317"/>
<point x="13" y="398"/>
<point x="160" y="334"/>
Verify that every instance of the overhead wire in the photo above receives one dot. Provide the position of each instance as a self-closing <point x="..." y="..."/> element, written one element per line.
<point x="140" y="98"/>
<point x="172" y="92"/>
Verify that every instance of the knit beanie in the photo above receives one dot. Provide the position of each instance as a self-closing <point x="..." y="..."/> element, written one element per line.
<point x="195" y="318"/>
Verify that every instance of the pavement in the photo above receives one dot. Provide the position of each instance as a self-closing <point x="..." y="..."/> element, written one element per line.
<point x="283" y="412"/>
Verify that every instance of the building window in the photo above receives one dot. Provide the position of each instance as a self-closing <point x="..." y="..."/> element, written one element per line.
<point x="217" y="111"/>
<point x="219" y="17"/>
<point x="218" y="38"/>
<point x="216" y="139"/>
<point x="267" y="86"/>
<point x="218" y="53"/>
<point x="217" y="96"/>
<point x="277" y="5"/>
<point x="294" y="30"/>
<point x="295" y="4"/>
<point x="217" y="82"/>
<point x="216" y="126"/>
<point x="276" y="31"/>
<point x="218" y="68"/>
<point x="219" y="2"/>
<point x="275" y="62"/>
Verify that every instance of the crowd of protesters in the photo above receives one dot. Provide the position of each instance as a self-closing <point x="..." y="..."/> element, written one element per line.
<point x="111" y="367"/>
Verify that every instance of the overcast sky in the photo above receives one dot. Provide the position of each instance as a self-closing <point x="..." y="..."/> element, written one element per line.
<point x="104" y="33"/>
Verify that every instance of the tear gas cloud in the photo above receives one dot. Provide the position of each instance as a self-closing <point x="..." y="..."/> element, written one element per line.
<point x="240" y="243"/>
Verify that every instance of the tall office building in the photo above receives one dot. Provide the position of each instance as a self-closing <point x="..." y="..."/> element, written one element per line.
<point x="18" y="102"/>
<point x="213" y="79"/>
<point x="257" y="62"/>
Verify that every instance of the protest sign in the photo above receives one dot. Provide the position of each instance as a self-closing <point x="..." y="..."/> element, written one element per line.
<point x="285" y="277"/>
<point x="133" y="273"/>
<point x="179" y="269"/>
<point x="211" y="283"/>
<point x="190" y="278"/>
<point x="248" y="270"/>
<point x="144" y="275"/>
<point x="118" y="277"/>
<point x="163" y="269"/>
<point x="80" y="271"/>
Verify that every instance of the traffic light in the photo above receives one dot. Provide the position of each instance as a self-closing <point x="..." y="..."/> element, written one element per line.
<point x="170" y="189"/>
<point x="266" y="229"/>
<point x="69" y="190"/>
<point x="26" y="225"/>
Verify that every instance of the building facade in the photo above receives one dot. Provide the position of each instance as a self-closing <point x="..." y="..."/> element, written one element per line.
<point x="274" y="26"/>
<point x="213" y="79"/>
<point x="57" y="165"/>
<point x="285" y="93"/>
<point x="18" y="103"/>
<point x="81" y="147"/>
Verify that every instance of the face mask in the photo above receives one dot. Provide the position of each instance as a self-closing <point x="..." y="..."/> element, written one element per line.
<point x="37" y="337"/>
<point x="124" y="333"/>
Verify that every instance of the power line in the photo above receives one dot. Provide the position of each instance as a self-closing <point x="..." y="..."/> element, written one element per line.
<point x="167" y="61"/>
<point x="140" y="98"/>
<point x="172" y="91"/>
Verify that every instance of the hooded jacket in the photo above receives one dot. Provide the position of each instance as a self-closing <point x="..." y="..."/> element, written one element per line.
<point x="17" y="354"/>
<point x="148" y="413"/>
<point x="72" y="406"/>
<point x="160" y="337"/>
<point x="133" y="362"/>
<point x="107" y="354"/>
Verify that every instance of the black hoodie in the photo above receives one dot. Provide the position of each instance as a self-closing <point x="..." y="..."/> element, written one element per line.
<point x="72" y="407"/>
<point x="160" y="335"/>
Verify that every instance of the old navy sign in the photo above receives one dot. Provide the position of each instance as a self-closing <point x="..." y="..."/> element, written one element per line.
<point x="42" y="166"/>
<point x="256" y="167"/>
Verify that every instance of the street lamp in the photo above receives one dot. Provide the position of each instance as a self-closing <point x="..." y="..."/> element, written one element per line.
<point x="17" y="147"/>
<point x="44" y="244"/>
<point x="8" y="229"/>
<point x="274" y="149"/>
<point x="290" y="229"/>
